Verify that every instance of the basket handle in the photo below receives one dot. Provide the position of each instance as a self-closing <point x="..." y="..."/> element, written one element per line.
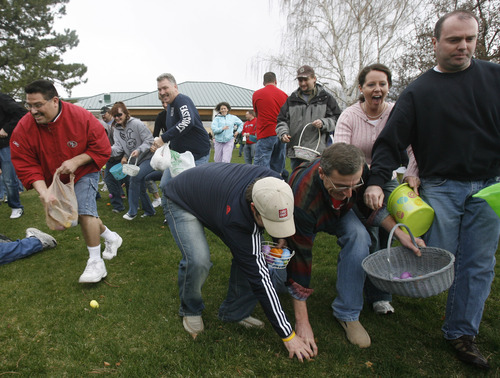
<point x="389" y="243"/>
<point x="136" y="158"/>
<point x="319" y="135"/>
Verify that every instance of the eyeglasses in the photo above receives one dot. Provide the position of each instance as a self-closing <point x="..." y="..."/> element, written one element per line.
<point x="343" y="188"/>
<point x="117" y="115"/>
<point x="36" y="106"/>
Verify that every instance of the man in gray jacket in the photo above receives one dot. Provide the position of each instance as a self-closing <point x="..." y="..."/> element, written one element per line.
<point x="309" y="105"/>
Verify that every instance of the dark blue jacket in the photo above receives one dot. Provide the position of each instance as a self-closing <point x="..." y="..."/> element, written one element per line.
<point x="182" y="127"/>
<point x="215" y="194"/>
<point x="10" y="114"/>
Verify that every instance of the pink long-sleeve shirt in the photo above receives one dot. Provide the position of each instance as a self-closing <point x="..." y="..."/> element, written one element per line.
<point x="354" y="127"/>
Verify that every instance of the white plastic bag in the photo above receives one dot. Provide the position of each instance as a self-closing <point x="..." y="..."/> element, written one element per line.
<point x="63" y="212"/>
<point x="180" y="162"/>
<point x="161" y="159"/>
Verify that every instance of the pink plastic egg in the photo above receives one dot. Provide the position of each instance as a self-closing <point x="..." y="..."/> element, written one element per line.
<point x="405" y="275"/>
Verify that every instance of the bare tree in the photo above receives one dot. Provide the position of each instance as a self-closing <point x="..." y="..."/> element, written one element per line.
<point x="339" y="37"/>
<point x="419" y="56"/>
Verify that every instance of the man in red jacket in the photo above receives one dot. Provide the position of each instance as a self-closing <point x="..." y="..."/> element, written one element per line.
<point x="267" y="102"/>
<point x="57" y="136"/>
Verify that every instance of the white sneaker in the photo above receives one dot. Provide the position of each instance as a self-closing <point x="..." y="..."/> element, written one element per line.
<point x="16" y="213"/>
<point x="46" y="240"/>
<point x="112" y="247"/>
<point x="94" y="271"/>
<point x="129" y="217"/>
<point x="156" y="202"/>
<point x="251" y="322"/>
<point x="383" y="308"/>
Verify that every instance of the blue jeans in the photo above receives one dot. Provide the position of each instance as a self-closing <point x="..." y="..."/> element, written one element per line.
<point x="295" y="162"/>
<point x="2" y="187"/>
<point x="85" y="191"/>
<point x="249" y="153"/>
<point x="354" y="241"/>
<point x="115" y="187"/>
<point x="15" y="250"/>
<point x="166" y="177"/>
<point x="270" y="153"/>
<point x="240" y="300"/>
<point x="154" y="176"/>
<point x="470" y="229"/>
<point x="189" y="234"/>
<point x="372" y="293"/>
<point x="10" y="179"/>
<point x="242" y="145"/>
<point x="137" y="189"/>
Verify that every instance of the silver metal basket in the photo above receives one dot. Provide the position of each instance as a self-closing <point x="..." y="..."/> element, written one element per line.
<point x="305" y="153"/>
<point x="431" y="274"/>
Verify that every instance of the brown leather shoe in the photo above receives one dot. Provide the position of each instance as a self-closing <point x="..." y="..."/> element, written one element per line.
<point x="193" y="325"/>
<point x="356" y="334"/>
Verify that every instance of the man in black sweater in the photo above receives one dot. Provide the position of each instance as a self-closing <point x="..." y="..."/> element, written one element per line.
<point x="451" y="117"/>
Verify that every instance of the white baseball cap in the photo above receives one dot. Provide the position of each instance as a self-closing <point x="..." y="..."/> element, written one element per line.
<point x="273" y="199"/>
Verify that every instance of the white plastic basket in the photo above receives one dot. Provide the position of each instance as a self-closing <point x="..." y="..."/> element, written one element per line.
<point x="276" y="257"/>
<point x="131" y="169"/>
<point x="305" y="153"/>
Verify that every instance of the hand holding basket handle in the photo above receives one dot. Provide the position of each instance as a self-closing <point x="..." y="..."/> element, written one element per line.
<point x="305" y="153"/>
<point x="429" y="275"/>
<point x="406" y="240"/>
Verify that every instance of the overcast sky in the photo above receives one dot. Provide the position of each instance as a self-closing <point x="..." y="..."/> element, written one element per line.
<point x="126" y="44"/>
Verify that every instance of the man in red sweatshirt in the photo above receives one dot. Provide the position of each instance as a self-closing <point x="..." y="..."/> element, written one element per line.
<point x="267" y="102"/>
<point x="56" y="136"/>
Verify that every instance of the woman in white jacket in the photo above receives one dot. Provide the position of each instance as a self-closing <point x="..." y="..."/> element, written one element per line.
<point x="225" y="127"/>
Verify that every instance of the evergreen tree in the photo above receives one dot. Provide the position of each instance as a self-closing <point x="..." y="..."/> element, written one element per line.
<point x="30" y="49"/>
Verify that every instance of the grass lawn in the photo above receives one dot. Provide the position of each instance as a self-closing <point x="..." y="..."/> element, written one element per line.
<point x="48" y="328"/>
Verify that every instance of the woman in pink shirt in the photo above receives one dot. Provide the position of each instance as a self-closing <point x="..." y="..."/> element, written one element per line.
<point x="360" y="124"/>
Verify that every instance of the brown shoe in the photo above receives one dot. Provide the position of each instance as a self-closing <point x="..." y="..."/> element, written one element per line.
<point x="193" y="325"/>
<point x="251" y="322"/>
<point x="355" y="333"/>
